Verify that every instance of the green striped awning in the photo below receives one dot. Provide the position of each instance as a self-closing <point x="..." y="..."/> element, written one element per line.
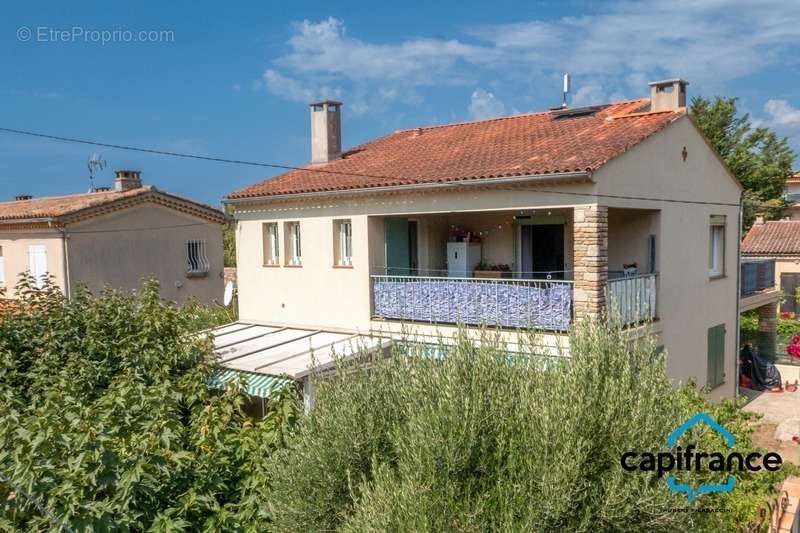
<point x="261" y="385"/>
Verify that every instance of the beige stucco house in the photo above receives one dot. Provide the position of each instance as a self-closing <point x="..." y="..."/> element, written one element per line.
<point x="533" y="220"/>
<point x="114" y="237"/>
<point x="792" y="195"/>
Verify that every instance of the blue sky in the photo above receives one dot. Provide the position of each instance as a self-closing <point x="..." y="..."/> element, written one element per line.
<point x="233" y="79"/>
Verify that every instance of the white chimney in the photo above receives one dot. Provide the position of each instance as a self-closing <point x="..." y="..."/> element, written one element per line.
<point x="668" y="95"/>
<point x="127" y="179"/>
<point x="326" y="131"/>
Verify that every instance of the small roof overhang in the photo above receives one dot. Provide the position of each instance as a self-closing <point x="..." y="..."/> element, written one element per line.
<point x="284" y="352"/>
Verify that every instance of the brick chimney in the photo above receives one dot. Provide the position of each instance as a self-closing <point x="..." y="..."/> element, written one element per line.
<point x="126" y="180"/>
<point x="326" y="131"/>
<point x="668" y="95"/>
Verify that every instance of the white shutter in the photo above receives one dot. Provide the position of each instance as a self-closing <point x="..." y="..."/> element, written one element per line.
<point x="2" y="268"/>
<point x="37" y="263"/>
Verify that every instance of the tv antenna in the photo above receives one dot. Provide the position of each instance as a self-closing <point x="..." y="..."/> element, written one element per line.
<point x="95" y="164"/>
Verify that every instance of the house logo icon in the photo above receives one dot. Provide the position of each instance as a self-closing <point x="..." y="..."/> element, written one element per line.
<point x="686" y="459"/>
<point x="672" y="440"/>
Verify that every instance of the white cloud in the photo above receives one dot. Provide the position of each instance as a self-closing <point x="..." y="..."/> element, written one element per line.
<point x="611" y="54"/>
<point x="292" y="89"/>
<point x="782" y="113"/>
<point x="484" y="104"/>
<point x="588" y="94"/>
<point x="324" y="48"/>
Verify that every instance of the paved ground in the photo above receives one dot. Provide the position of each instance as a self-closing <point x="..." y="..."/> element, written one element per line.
<point x="775" y="408"/>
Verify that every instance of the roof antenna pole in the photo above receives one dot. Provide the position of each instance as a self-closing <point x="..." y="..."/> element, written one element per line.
<point x="566" y="90"/>
<point x="96" y="163"/>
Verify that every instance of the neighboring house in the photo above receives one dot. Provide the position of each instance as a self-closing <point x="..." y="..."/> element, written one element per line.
<point x="778" y="240"/>
<point x="114" y="238"/>
<point x="792" y="195"/>
<point x="538" y="219"/>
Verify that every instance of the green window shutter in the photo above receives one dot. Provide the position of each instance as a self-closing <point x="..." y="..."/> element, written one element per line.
<point x="398" y="259"/>
<point x="716" y="355"/>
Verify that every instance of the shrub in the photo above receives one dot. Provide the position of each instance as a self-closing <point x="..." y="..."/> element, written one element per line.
<point x="107" y="422"/>
<point x="483" y="441"/>
<point x="202" y="317"/>
<point x="748" y="324"/>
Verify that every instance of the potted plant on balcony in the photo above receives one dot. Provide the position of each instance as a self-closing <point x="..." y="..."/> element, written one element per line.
<point x="486" y="270"/>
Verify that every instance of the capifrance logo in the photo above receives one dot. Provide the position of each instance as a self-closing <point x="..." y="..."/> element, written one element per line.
<point x="689" y="459"/>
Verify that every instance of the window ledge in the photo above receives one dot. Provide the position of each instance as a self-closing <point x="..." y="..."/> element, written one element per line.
<point x="717" y="276"/>
<point x="196" y="274"/>
<point x="293" y="266"/>
<point x="271" y="265"/>
<point x="343" y="266"/>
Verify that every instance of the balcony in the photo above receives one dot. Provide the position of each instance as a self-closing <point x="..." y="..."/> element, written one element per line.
<point x="529" y="268"/>
<point x="757" y="275"/>
<point x="514" y="303"/>
<point x="543" y="304"/>
<point x="632" y="299"/>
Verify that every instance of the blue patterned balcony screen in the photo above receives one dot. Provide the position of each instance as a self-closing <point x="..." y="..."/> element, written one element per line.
<point x="537" y="304"/>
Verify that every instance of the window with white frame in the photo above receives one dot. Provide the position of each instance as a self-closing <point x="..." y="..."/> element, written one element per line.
<point x="37" y="264"/>
<point x="197" y="261"/>
<point x="294" y="251"/>
<point x="271" y="246"/>
<point x="716" y="249"/>
<point x="2" y="268"/>
<point x="343" y="242"/>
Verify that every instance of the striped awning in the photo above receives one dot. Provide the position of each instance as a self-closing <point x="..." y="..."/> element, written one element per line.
<point x="261" y="385"/>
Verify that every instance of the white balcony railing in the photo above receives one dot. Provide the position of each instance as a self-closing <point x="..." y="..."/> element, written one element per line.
<point x="540" y="304"/>
<point x="632" y="299"/>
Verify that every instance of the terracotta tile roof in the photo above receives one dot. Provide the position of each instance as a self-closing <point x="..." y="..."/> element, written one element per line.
<point x="776" y="237"/>
<point x="521" y="145"/>
<point x="55" y="207"/>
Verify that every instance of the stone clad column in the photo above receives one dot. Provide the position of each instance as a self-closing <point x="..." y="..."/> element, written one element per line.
<point x="768" y="330"/>
<point x="590" y="260"/>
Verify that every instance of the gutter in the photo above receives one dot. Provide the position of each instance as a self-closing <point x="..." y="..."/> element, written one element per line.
<point x="64" y="259"/>
<point x="538" y="178"/>
<point x="39" y="220"/>
<point x="737" y="347"/>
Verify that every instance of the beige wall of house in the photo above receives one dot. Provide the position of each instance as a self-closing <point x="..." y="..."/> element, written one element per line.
<point x="118" y="250"/>
<point x="14" y="246"/>
<point x="319" y="295"/>
<point x="628" y="234"/>
<point x="785" y="265"/>
<point x="689" y="302"/>
<point x="792" y="212"/>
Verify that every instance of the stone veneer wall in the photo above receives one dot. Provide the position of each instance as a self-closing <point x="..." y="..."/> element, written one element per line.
<point x="590" y="259"/>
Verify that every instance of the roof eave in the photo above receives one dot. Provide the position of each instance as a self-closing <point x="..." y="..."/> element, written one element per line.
<point x="417" y="187"/>
<point x="208" y="212"/>
<point x="28" y="220"/>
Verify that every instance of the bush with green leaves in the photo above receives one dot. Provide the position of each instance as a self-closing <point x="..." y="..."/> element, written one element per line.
<point x="481" y="440"/>
<point x="107" y="422"/>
